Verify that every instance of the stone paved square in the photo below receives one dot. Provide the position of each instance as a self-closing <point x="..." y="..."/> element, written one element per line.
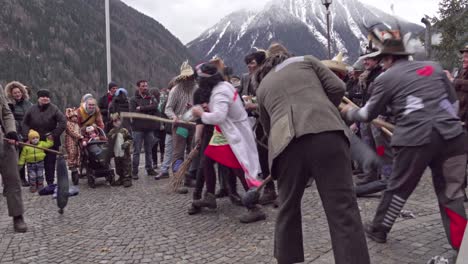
<point x="148" y="224"/>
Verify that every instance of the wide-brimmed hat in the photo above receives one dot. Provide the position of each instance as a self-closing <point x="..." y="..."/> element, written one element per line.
<point x="392" y="47"/>
<point x="465" y="49"/>
<point x="336" y="64"/>
<point x="186" y="71"/>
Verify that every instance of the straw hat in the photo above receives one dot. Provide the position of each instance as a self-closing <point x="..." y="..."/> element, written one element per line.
<point x="186" y="71"/>
<point x="336" y="64"/>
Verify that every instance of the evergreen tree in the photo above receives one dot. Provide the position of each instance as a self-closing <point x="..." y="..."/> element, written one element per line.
<point x="452" y="23"/>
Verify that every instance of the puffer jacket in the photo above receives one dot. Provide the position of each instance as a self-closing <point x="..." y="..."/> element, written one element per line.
<point x="18" y="108"/>
<point x="34" y="155"/>
<point x="148" y="105"/>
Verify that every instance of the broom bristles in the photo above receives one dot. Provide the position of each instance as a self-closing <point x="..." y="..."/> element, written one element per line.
<point x="178" y="177"/>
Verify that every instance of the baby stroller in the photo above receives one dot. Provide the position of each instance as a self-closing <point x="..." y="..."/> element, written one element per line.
<point x="95" y="159"/>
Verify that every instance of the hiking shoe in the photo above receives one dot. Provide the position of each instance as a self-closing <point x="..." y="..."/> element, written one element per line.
<point x="19" y="225"/>
<point x="127" y="183"/>
<point x="222" y="193"/>
<point x="235" y="199"/>
<point x="151" y="172"/>
<point x="374" y="234"/>
<point x="252" y="215"/>
<point x="268" y="197"/>
<point x="208" y="201"/>
<point x="193" y="210"/>
<point x="162" y="175"/>
<point x="117" y="182"/>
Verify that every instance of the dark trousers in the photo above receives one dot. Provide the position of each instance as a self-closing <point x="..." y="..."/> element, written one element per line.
<point x="329" y="164"/>
<point x="447" y="161"/>
<point x="160" y="139"/>
<point x="200" y="177"/>
<point x="210" y="175"/>
<point x="263" y="156"/>
<point x="11" y="180"/>
<point x="180" y="145"/>
<point x="49" y="164"/>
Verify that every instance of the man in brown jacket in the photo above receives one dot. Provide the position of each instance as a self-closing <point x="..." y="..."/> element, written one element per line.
<point x="298" y="99"/>
<point x="9" y="167"/>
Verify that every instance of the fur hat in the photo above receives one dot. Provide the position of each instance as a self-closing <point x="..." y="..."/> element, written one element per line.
<point x="186" y="71"/>
<point x="336" y="64"/>
<point x="70" y="112"/>
<point x="33" y="134"/>
<point x="90" y="129"/>
<point x="15" y="84"/>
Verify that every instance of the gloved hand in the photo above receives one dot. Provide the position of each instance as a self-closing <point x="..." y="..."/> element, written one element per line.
<point x="12" y="135"/>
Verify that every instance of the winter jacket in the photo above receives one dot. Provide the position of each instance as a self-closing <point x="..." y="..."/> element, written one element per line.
<point x="461" y="86"/>
<point x="420" y="97"/>
<point x="309" y="105"/>
<point x="34" y="155"/>
<point x="148" y="105"/>
<point x="103" y="104"/>
<point x="85" y="120"/>
<point x="120" y="104"/>
<point x="19" y="108"/>
<point x="45" y="119"/>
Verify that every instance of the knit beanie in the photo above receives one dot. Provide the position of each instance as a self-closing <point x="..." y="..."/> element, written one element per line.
<point x="86" y="97"/>
<point x="121" y="90"/>
<point x="89" y="129"/>
<point x="33" y="134"/>
<point x="43" y="93"/>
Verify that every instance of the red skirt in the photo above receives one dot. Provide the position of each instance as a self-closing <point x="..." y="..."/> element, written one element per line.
<point x="219" y="150"/>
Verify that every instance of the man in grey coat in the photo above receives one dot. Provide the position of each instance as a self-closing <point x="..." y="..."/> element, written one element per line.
<point x="298" y="99"/>
<point x="428" y="133"/>
<point x="9" y="166"/>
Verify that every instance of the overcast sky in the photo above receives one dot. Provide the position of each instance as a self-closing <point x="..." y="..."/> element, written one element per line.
<point x="187" y="19"/>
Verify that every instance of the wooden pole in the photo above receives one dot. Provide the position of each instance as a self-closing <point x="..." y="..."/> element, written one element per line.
<point x="154" y="118"/>
<point x="385" y="126"/>
<point x="34" y="146"/>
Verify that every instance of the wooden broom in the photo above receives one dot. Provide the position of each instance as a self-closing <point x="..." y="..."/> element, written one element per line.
<point x="178" y="177"/>
<point x="385" y="126"/>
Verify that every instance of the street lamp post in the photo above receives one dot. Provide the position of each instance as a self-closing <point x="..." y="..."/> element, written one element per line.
<point x="108" y="44"/>
<point x="327" y="4"/>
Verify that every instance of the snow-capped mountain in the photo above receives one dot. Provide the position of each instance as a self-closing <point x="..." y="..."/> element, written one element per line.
<point x="298" y="24"/>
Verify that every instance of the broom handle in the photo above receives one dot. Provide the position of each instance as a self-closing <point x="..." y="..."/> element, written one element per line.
<point x="264" y="183"/>
<point x="385" y="126"/>
<point x="154" y="118"/>
<point x="34" y="146"/>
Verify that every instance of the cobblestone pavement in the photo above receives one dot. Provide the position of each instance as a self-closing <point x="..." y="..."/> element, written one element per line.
<point x="147" y="224"/>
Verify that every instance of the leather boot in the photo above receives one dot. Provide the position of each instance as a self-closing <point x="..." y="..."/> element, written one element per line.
<point x="268" y="197"/>
<point x="19" y="225"/>
<point x="209" y="201"/>
<point x="193" y="210"/>
<point x="253" y="214"/>
<point x="127" y="182"/>
<point x="118" y="182"/>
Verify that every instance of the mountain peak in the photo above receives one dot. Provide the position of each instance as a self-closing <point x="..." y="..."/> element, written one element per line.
<point x="299" y="24"/>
